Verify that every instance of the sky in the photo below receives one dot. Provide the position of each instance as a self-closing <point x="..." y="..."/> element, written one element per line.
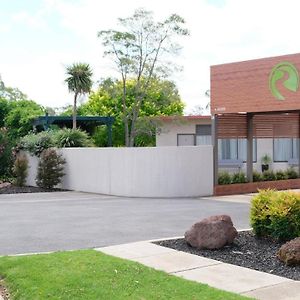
<point x="39" y="38"/>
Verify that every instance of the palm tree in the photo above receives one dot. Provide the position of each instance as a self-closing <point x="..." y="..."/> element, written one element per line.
<point x="79" y="82"/>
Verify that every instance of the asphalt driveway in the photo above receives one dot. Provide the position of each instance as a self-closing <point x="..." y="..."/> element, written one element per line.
<point x="69" y="220"/>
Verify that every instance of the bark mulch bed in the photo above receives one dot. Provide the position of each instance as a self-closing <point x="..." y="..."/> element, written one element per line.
<point x="246" y="251"/>
<point x="26" y="189"/>
<point x="3" y="291"/>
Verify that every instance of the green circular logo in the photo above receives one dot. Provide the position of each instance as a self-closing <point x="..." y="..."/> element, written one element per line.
<point x="277" y="73"/>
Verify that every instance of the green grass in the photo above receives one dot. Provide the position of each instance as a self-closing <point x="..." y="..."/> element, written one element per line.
<point x="89" y="274"/>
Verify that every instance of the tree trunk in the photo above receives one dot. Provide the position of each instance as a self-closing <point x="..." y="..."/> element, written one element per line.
<point x="75" y="111"/>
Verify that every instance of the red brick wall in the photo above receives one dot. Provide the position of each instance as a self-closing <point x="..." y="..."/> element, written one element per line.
<point x="252" y="187"/>
<point x="244" y="86"/>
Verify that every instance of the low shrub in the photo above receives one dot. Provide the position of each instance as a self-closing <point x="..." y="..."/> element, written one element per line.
<point x="276" y="214"/>
<point x="6" y="157"/>
<point x="224" y="178"/>
<point x="36" y="143"/>
<point x="268" y="175"/>
<point x="71" y="138"/>
<point x="281" y="175"/>
<point x="239" y="177"/>
<point x="20" y="169"/>
<point x="291" y="173"/>
<point x="257" y="176"/>
<point x="50" y="169"/>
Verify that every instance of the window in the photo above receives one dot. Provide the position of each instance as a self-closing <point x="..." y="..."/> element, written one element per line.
<point x="185" y="139"/>
<point x="227" y="149"/>
<point x="242" y="150"/>
<point x="203" y="135"/>
<point x="235" y="149"/>
<point x="285" y="149"/>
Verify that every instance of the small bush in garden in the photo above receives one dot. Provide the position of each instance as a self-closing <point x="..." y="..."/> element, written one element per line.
<point x="36" y="143"/>
<point x="6" y="158"/>
<point x="224" y="178"/>
<point x="239" y="178"/>
<point x="281" y="175"/>
<point x="291" y="173"/>
<point x="276" y="214"/>
<point x="269" y="175"/>
<point x="20" y="169"/>
<point x="50" y="169"/>
<point x="257" y="176"/>
<point x="72" y="138"/>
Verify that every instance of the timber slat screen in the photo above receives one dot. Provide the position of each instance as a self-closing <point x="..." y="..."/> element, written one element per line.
<point x="264" y="125"/>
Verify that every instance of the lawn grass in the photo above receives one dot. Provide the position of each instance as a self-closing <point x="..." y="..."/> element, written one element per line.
<point x="89" y="274"/>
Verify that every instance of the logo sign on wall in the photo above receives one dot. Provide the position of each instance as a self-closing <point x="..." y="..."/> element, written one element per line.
<point x="279" y="72"/>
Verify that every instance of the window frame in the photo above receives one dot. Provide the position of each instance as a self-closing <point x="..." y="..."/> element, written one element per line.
<point x="292" y="148"/>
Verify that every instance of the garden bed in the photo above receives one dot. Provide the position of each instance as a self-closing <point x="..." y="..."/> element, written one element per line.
<point x="253" y="187"/>
<point x="12" y="189"/>
<point x="246" y="251"/>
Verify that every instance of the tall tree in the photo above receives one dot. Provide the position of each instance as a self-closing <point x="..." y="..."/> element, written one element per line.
<point x="161" y="98"/>
<point x="141" y="52"/>
<point x="79" y="82"/>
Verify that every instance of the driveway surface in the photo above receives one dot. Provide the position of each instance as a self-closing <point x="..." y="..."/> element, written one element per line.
<point x="44" y="222"/>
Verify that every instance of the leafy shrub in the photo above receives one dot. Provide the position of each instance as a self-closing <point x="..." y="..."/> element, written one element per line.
<point x="291" y="173"/>
<point x="6" y="159"/>
<point x="50" y="169"/>
<point x="276" y="214"/>
<point x="20" y="169"/>
<point x="239" y="177"/>
<point x="224" y="178"/>
<point x="280" y="175"/>
<point x="257" y="176"/>
<point x="268" y="176"/>
<point x="71" y="138"/>
<point x="36" y="143"/>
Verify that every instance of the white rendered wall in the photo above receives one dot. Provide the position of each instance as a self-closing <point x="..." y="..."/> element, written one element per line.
<point x="137" y="172"/>
<point x="170" y="129"/>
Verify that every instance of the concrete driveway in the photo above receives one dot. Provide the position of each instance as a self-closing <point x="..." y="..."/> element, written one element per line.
<point x="70" y="220"/>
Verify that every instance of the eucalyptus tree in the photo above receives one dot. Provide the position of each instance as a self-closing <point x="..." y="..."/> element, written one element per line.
<point x="79" y="82"/>
<point x="141" y="52"/>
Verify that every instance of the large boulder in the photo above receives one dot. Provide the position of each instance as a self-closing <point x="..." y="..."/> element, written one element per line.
<point x="289" y="252"/>
<point x="211" y="233"/>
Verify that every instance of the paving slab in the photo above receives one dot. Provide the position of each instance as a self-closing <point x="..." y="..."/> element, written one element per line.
<point x="172" y="262"/>
<point x="232" y="278"/>
<point x="286" y="291"/>
<point x="255" y="284"/>
<point x="135" y="250"/>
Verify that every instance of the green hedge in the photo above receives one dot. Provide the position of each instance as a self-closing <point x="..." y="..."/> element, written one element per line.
<point x="240" y="177"/>
<point x="276" y="214"/>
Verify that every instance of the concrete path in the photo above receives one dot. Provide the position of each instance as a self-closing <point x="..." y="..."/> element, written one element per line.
<point x="224" y="276"/>
<point x="45" y="222"/>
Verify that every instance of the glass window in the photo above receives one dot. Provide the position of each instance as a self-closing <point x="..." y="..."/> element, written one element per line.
<point x="185" y="139"/>
<point x="295" y="148"/>
<point x="283" y="149"/>
<point x="242" y="150"/>
<point x="203" y="135"/>
<point x="227" y="149"/>
<point x="203" y="140"/>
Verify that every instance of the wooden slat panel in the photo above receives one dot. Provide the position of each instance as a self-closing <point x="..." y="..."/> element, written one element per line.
<point x="265" y="126"/>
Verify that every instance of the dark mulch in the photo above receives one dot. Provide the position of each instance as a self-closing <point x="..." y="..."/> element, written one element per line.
<point x="246" y="251"/>
<point x="26" y="189"/>
<point x="3" y="291"/>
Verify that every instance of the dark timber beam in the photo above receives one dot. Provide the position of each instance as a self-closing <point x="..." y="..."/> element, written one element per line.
<point x="250" y="147"/>
<point x="215" y="147"/>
